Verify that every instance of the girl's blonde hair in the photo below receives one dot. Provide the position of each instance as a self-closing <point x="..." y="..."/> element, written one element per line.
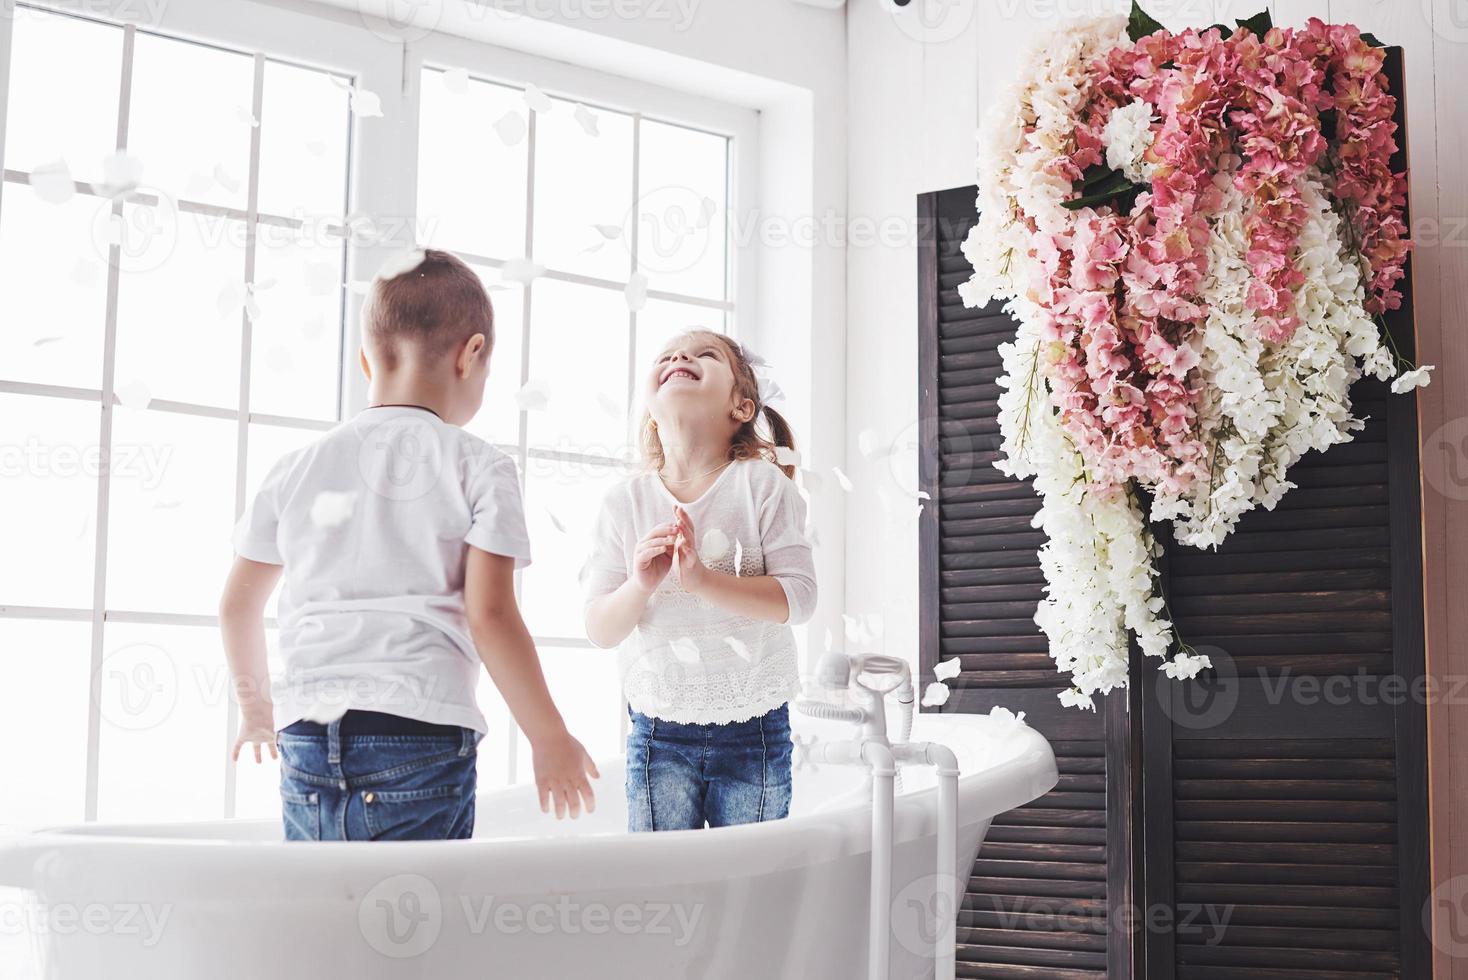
<point x="748" y="442"/>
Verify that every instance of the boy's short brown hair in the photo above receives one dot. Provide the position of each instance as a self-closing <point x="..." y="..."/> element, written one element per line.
<point x="433" y="308"/>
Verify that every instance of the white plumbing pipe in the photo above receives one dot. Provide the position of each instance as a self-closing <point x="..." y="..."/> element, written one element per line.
<point x="946" y="900"/>
<point x="878" y="757"/>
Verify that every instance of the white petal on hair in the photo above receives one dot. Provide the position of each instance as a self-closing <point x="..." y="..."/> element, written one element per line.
<point x="400" y="263"/>
<point x="946" y="670"/>
<point x="522" y="271"/>
<point x="510" y="128"/>
<point x="842" y="478"/>
<point x="332" y="508"/>
<point x="365" y="103"/>
<point x="636" y="292"/>
<point x="533" y="397"/>
<point x="52" y="182"/>
<point x="935" y="694"/>
<point x="715" y="545"/>
<point x="456" y="80"/>
<point x="133" y="394"/>
<point x="786" y="456"/>
<point x="587" y="119"/>
<point x="535" y="99"/>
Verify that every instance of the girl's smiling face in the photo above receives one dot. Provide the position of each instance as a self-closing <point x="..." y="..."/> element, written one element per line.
<point x="693" y="374"/>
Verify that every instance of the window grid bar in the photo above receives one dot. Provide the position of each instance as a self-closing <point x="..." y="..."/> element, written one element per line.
<point x="242" y="429"/>
<point x="7" y="34"/>
<point x="578" y="279"/>
<point x="104" y="442"/>
<point x="164" y="405"/>
<point x="623" y="721"/>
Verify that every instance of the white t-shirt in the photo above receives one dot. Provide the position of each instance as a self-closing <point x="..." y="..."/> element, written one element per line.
<point x="373" y="524"/>
<point x="689" y="661"/>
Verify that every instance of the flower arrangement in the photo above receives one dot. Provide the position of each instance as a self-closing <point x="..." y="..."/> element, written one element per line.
<point x="1197" y="233"/>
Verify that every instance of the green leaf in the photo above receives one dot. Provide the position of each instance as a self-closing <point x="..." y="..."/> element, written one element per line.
<point x="1372" y="40"/>
<point x="1141" y="24"/>
<point x="1094" y="174"/>
<point x="1259" y="24"/>
<point x="1117" y="186"/>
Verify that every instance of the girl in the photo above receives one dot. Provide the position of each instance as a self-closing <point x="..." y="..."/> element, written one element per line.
<point x="702" y="565"/>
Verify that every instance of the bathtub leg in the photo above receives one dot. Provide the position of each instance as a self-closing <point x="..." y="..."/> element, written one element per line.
<point x="879" y="758"/>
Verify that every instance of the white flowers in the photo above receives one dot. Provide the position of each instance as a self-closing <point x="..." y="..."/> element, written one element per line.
<point x="1128" y="136"/>
<point x="1416" y="378"/>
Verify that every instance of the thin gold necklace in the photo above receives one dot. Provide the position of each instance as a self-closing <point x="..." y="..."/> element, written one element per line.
<point x="688" y="480"/>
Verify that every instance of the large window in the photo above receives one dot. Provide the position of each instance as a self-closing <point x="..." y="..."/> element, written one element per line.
<point x="620" y="215"/>
<point x="177" y="290"/>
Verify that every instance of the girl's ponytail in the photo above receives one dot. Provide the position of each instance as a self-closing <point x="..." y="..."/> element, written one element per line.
<point x="781" y="437"/>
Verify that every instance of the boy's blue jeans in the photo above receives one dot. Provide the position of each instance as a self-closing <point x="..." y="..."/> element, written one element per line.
<point x="336" y="786"/>
<point x="681" y="777"/>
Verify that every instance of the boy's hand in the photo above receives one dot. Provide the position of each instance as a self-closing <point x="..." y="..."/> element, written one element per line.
<point x="654" y="556"/>
<point x="691" y="569"/>
<point x="561" y="767"/>
<point x="256" y="733"/>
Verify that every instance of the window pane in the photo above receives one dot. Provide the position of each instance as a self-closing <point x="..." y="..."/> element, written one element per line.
<point x="683" y="209"/>
<point x="53" y="290"/>
<point x="471" y="184"/>
<point x="179" y="311"/>
<point x="48" y="467"/>
<point x="164" y="711"/>
<point x="168" y="547"/>
<point x="296" y="338"/>
<point x="561" y="504"/>
<point x="578" y="356"/>
<point x="498" y="420"/>
<point x="586" y="688"/>
<point x="190" y="119"/>
<point x="64" y="74"/>
<point x="43" y="720"/>
<point x="582" y="181"/>
<point x="305" y="123"/>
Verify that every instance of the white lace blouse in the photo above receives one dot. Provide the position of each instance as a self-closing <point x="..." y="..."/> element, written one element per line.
<point x="689" y="661"/>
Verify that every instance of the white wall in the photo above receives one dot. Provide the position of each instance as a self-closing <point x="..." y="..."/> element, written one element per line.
<point x="913" y="112"/>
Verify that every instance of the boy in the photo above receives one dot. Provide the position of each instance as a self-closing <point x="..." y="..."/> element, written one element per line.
<point x="398" y="535"/>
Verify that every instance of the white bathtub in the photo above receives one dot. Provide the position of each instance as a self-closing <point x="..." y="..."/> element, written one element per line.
<point x="528" y="898"/>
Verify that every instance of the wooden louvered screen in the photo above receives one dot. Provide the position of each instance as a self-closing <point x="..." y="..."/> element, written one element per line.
<point x="1266" y="820"/>
<point x="1043" y="890"/>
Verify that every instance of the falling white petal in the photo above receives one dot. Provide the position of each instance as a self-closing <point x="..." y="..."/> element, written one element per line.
<point x="456" y="80"/>
<point x="842" y="478"/>
<point x="230" y="299"/>
<point x="715" y="544"/>
<point x="251" y="307"/>
<point x="510" y="128"/>
<point x="867" y="442"/>
<point x="707" y="208"/>
<point x="43" y="341"/>
<point x="225" y="179"/>
<point x="608" y="405"/>
<point x="121" y="173"/>
<point x="685" y="650"/>
<point x="587" y="119"/>
<point x="738" y="557"/>
<point x="522" y="271"/>
<point x="365" y="103"/>
<point x="740" y="648"/>
<point x="935" y="694"/>
<point x="52" y="182"/>
<point x="332" y="508"/>
<point x="536" y="100"/>
<point x="533" y="397"/>
<point x="609" y="232"/>
<point x="946" y="670"/>
<point x="133" y="394"/>
<point x="555" y="521"/>
<point x="786" y="456"/>
<point x="636" y="292"/>
<point x="244" y="115"/>
<point x="401" y="262"/>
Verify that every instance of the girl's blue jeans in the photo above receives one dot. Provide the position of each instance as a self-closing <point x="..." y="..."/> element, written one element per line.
<point x="683" y="777"/>
<point x="336" y="786"/>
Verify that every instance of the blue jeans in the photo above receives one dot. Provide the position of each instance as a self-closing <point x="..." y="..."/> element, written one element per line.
<point x="342" y="786"/>
<point x="681" y="777"/>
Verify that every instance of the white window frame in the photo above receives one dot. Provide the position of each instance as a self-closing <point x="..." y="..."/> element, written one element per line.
<point x="382" y="180"/>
